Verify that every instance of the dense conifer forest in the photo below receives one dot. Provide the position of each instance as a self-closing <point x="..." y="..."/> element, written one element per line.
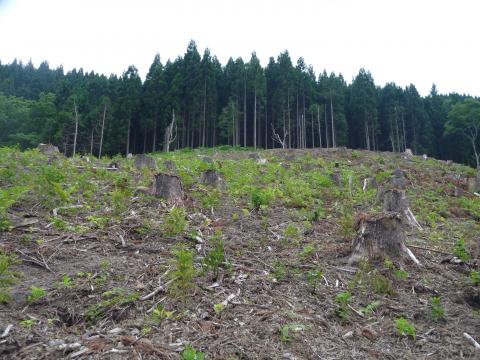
<point x="241" y="103"/>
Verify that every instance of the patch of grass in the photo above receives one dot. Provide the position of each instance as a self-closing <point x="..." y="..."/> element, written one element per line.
<point x="285" y="331"/>
<point x="8" y="197"/>
<point x="36" y="293"/>
<point x="400" y="274"/>
<point x="460" y="250"/>
<point x="280" y="271"/>
<point x="7" y="276"/>
<point x="475" y="277"/>
<point x="405" y="328"/>
<point x="115" y="298"/>
<point x="306" y="252"/>
<point x="260" y="198"/>
<point x="371" y="280"/>
<point x="291" y="234"/>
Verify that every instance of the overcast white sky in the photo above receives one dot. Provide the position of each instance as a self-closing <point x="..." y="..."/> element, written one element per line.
<point x="405" y="41"/>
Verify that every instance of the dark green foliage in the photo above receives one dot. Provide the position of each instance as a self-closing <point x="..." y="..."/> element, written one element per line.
<point x="240" y="104"/>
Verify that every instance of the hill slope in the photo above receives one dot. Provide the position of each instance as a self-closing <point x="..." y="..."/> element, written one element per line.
<point x="253" y="268"/>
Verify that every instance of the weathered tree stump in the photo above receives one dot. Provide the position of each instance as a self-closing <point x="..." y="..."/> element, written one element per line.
<point x="206" y="159"/>
<point x="114" y="165"/>
<point x="379" y="237"/>
<point x="170" y="166"/>
<point x="369" y="183"/>
<point x="473" y="183"/>
<point x="168" y="187"/>
<point x="336" y="178"/>
<point x="395" y="200"/>
<point x="143" y="160"/>
<point x="48" y="149"/>
<point x="212" y="178"/>
<point x="398" y="179"/>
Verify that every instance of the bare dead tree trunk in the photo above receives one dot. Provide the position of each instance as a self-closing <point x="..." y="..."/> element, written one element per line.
<point x="154" y="142"/>
<point x="204" y="111"/>
<point x="298" y="127"/>
<point x="289" y="121"/>
<point x="255" y="119"/>
<point x="245" y="110"/>
<point x="266" y="125"/>
<point x="128" y="137"/>
<point x="334" y="144"/>
<point x="103" y="127"/>
<point x="473" y="135"/>
<point x="276" y="137"/>
<point x="313" y="132"/>
<point x="91" y="141"/>
<point x="76" y="128"/>
<point x="169" y="136"/>
<point x="367" y="135"/>
<point x="319" y="126"/>
<point x="144" y="140"/>
<point x="326" y="127"/>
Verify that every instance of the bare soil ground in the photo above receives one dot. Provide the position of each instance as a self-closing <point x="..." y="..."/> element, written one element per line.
<point x="107" y="271"/>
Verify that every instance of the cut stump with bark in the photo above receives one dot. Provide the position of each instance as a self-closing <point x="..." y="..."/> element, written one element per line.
<point x="212" y="178"/>
<point x="395" y="200"/>
<point x="48" y="149"/>
<point x="168" y="187"/>
<point x="170" y="166"/>
<point x="379" y="237"/>
<point x="398" y="179"/>
<point x="143" y="160"/>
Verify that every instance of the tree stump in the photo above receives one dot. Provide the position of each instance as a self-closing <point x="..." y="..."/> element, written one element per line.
<point x="212" y="178"/>
<point x="369" y="183"/>
<point x="206" y="159"/>
<point x="114" y="165"/>
<point x="170" y="166"/>
<point x="395" y="200"/>
<point x="398" y="179"/>
<point x="379" y="237"/>
<point x="48" y="149"/>
<point x="143" y="160"/>
<point x="336" y="178"/>
<point x="168" y="187"/>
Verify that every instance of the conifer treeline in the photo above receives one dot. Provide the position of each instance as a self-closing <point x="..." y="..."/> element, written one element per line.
<point x="240" y="104"/>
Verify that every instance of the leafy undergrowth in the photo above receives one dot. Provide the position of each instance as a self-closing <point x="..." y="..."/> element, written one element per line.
<point x="90" y="265"/>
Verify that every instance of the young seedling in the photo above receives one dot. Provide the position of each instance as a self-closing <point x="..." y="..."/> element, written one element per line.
<point x="189" y="353"/>
<point x="314" y="279"/>
<point x="216" y="257"/>
<point x="405" y="328"/>
<point x="460" y="250"/>
<point x="437" y="310"/>
<point x="370" y="307"/>
<point x="175" y="222"/>
<point x="475" y="277"/>
<point x="342" y="300"/>
<point x="36" y="293"/>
